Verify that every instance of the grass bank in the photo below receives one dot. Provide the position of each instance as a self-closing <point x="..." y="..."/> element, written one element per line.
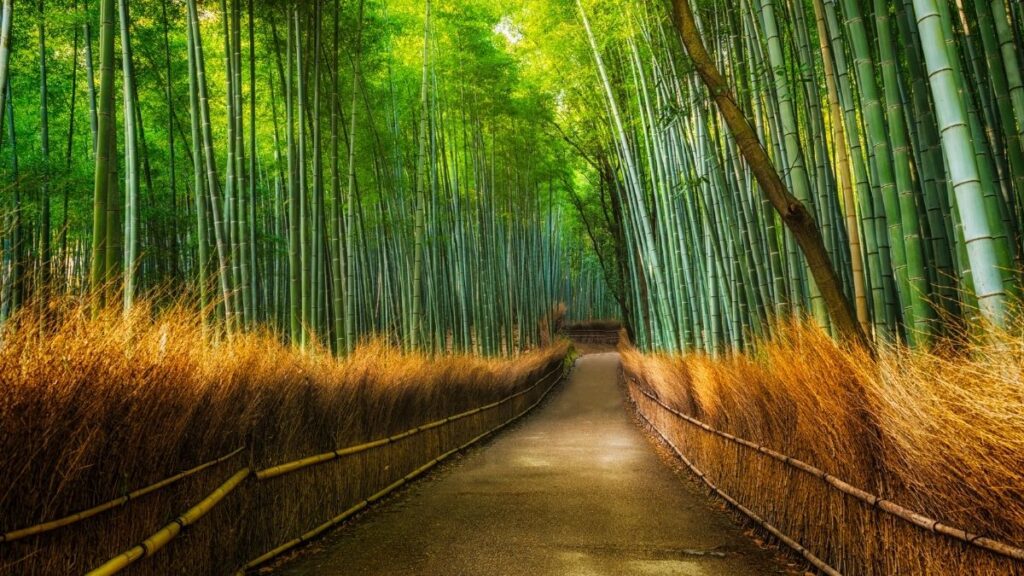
<point x="92" y="409"/>
<point x="941" y="433"/>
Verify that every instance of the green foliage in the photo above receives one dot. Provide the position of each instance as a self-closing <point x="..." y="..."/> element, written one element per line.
<point x="491" y="110"/>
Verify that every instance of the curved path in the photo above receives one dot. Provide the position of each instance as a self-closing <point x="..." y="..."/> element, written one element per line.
<point x="573" y="490"/>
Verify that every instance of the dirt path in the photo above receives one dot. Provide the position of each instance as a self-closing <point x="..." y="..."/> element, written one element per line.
<point x="574" y="490"/>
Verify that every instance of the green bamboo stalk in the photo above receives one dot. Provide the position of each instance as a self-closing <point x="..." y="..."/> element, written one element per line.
<point x="45" y="263"/>
<point x="922" y="314"/>
<point x="294" y="196"/>
<point x="416" y="327"/>
<point x="790" y="209"/>
<point x="303" y="224"/>
<point x="339" y="310"/>
<point x="131" y="215"/>
<point x="962" y="167"/>
<point x="198" y="188"/>
<point x="843" y="169"/>
<point x="352" y="199"/>
<point x="212" y="184"/>
<point x="105" y="129"/>
<point x="5" y="51"/>
<point x="241" y="189"/>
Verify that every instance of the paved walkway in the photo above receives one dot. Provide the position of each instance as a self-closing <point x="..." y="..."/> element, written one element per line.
<point x="575" y="489"/>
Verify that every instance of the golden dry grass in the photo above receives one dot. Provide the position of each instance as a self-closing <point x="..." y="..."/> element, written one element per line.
<point x="940" y="433"/>
<point x="93" y="408"/>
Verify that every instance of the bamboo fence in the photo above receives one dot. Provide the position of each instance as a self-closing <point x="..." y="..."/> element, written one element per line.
<point x="111" y="504"/>
<point x="781" y="536"/>
<point x="593" y="335"/>
<point x="849" y="529"/>
<point x="163" y="537"/>
<point x="254" y="510"/>
<point x="305" y="537"/>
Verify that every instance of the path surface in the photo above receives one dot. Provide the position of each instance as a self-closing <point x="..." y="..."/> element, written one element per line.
<point x="574" y="490"/>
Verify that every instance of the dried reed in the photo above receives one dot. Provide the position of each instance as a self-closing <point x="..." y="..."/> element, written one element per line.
<point x="92" y="409"/>
<point x="941" y="433"/>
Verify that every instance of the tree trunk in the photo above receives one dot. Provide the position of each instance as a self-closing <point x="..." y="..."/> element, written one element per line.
<point x="793" y="213"/>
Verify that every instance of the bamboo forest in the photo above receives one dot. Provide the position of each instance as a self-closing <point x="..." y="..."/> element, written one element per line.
<point x="738" y="281"/>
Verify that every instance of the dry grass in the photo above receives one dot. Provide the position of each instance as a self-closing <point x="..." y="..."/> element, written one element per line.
<point x="941" y="433"/>
<point x="97" y="407"/>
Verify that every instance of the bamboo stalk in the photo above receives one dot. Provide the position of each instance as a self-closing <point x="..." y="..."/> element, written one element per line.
<point x="294" y="465"/>
<point x="791" y="210"/>
<point x="162" y="537"/>
<point x="871" y="500"/>
<point x="134" y="495"/>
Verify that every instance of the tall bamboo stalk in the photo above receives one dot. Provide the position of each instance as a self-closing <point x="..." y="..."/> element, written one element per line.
<point x="101" y="235"/>
<point x="962" y="167"/>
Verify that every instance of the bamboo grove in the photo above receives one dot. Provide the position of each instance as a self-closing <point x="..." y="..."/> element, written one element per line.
<point x="899" y="126"/>
<point x="444" y="173"/>
<point x="333" y="170"/>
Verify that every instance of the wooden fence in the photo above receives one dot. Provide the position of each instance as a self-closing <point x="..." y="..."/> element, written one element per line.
<point x="837" y="527"/>
<point x="245" y="517"/>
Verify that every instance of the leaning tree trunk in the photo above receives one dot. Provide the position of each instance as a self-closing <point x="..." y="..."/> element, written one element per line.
<point x="843" y="169"/>
<point x="793" y="213"/>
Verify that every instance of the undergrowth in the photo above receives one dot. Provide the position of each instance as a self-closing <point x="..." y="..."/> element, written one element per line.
<point x="91" y="408"/>
<point x="938" y="432"/>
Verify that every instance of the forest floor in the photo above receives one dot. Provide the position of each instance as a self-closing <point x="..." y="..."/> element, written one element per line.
<point x="575" y="489"/>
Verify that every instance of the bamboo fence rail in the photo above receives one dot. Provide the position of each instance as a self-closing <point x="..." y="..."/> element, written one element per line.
<point x="301" y="463"/>
<point x="871" y="500"/>
<point x="593" y="335"/>
<point x="405" y="479"/>
<point x="807" y="554"/>
<point x="162" y="537"/>
<point x="117" y="502"/>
